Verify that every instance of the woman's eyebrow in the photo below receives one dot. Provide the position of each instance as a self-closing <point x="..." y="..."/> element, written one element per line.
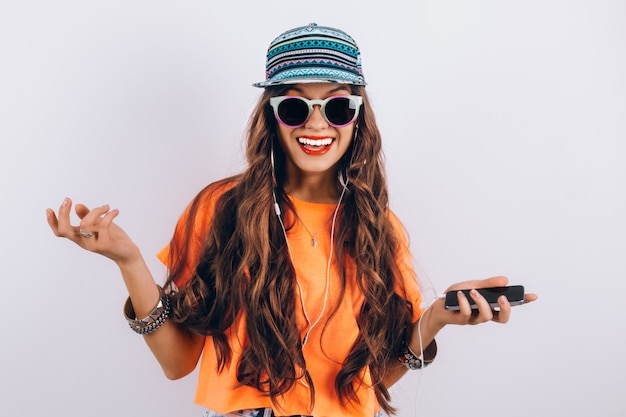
<point x="340" y="88"/>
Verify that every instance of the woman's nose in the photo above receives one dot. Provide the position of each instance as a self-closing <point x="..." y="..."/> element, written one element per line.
<point x="316" y="121"/>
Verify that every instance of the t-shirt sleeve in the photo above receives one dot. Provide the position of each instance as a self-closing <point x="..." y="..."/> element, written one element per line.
<point x="191" y="231"/>
<point x="408" y="287"/>
<point x="164" y="255"/>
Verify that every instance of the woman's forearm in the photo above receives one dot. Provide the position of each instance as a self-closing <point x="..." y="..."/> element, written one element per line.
<point x="421" y="334"/>
<point x="176" y="349"/>
<point x="427" y="330"/>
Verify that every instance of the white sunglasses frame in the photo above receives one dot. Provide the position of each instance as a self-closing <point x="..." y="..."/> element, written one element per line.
<point x="275" y="103"/>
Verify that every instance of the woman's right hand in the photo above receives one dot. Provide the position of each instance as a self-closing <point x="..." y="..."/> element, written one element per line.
<point x="96" y="231"/>
<point x="176" y="349"/>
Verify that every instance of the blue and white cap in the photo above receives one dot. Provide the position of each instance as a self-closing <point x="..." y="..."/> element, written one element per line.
<point x="313" y="54"/>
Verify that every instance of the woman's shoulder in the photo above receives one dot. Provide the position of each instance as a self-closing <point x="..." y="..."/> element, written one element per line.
<point x="210" y="194"/>
<point x="395" y="220"/>
<point x="202" y="207"/>
<point x="216" y="189"/>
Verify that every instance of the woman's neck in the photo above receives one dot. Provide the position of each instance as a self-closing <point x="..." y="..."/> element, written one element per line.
<point x="320" y="188"/>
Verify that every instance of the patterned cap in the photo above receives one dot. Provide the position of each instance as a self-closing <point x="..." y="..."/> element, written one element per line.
<point x="313" y="54"/>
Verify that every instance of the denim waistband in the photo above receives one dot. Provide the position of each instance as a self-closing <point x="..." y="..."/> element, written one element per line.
<point x="255" y="412"/>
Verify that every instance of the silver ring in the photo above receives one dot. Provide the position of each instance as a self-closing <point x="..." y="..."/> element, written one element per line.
<point x="86" y="234"/>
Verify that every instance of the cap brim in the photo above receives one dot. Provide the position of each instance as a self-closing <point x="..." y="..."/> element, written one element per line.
<point x="307" y="80"/>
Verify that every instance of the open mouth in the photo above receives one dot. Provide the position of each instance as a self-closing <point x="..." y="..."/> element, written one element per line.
<point x="315" y="145"/>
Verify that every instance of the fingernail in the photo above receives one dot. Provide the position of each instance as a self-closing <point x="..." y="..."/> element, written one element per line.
<point x="48" y="212"/>
<point x="504" y="300"/>
<point x="474" y="293"/>
<point x="64" y="204"/>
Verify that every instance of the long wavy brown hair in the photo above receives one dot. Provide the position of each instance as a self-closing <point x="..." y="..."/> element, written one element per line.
<point x="245" y="266"/>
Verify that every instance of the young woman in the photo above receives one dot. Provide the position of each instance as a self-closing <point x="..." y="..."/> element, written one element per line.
<point x="292" y="282"/>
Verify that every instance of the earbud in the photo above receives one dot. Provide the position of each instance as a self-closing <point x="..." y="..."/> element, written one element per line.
<point x="343" y="181"/>
<point x="276" y="206"/>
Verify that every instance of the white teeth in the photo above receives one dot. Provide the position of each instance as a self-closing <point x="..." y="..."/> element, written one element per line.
<point x="315" y="142"/>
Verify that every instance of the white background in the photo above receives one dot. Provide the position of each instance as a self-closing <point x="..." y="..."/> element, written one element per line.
<point x="505" y="137"/>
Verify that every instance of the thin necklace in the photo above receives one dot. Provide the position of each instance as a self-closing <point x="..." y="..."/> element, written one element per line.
<point x="305" y="339"/>
<point x="314" y="235"/>
<point x="330" y="257"/>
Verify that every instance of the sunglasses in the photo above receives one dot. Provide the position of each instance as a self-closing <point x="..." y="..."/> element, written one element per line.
<point x="294" y="111"/>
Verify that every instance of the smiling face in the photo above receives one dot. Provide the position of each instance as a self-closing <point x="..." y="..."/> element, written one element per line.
<point x="314" y="149"/>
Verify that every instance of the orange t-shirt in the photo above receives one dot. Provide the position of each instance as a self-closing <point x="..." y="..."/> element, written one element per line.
<point x="328" y="343"/>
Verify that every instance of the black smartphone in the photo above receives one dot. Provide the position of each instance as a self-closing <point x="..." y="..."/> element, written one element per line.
<point x="513" y="293"/>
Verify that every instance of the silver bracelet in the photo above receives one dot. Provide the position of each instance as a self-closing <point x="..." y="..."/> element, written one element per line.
<point x="154" y="320"/>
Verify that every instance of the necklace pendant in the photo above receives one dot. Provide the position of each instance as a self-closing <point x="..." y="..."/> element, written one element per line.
<point x="314" y="241"/>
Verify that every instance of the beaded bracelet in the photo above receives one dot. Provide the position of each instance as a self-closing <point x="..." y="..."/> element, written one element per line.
<point x="412" y="361"/>
<point x="153" y="321"/>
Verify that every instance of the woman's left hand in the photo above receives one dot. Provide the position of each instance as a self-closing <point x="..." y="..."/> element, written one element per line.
<point x="436" y="316"/>
<point x="440" y="317"/>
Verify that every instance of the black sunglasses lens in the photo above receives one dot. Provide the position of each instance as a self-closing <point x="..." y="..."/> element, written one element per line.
<point x="293" y="111"/>
<point x="340" y="110"/>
